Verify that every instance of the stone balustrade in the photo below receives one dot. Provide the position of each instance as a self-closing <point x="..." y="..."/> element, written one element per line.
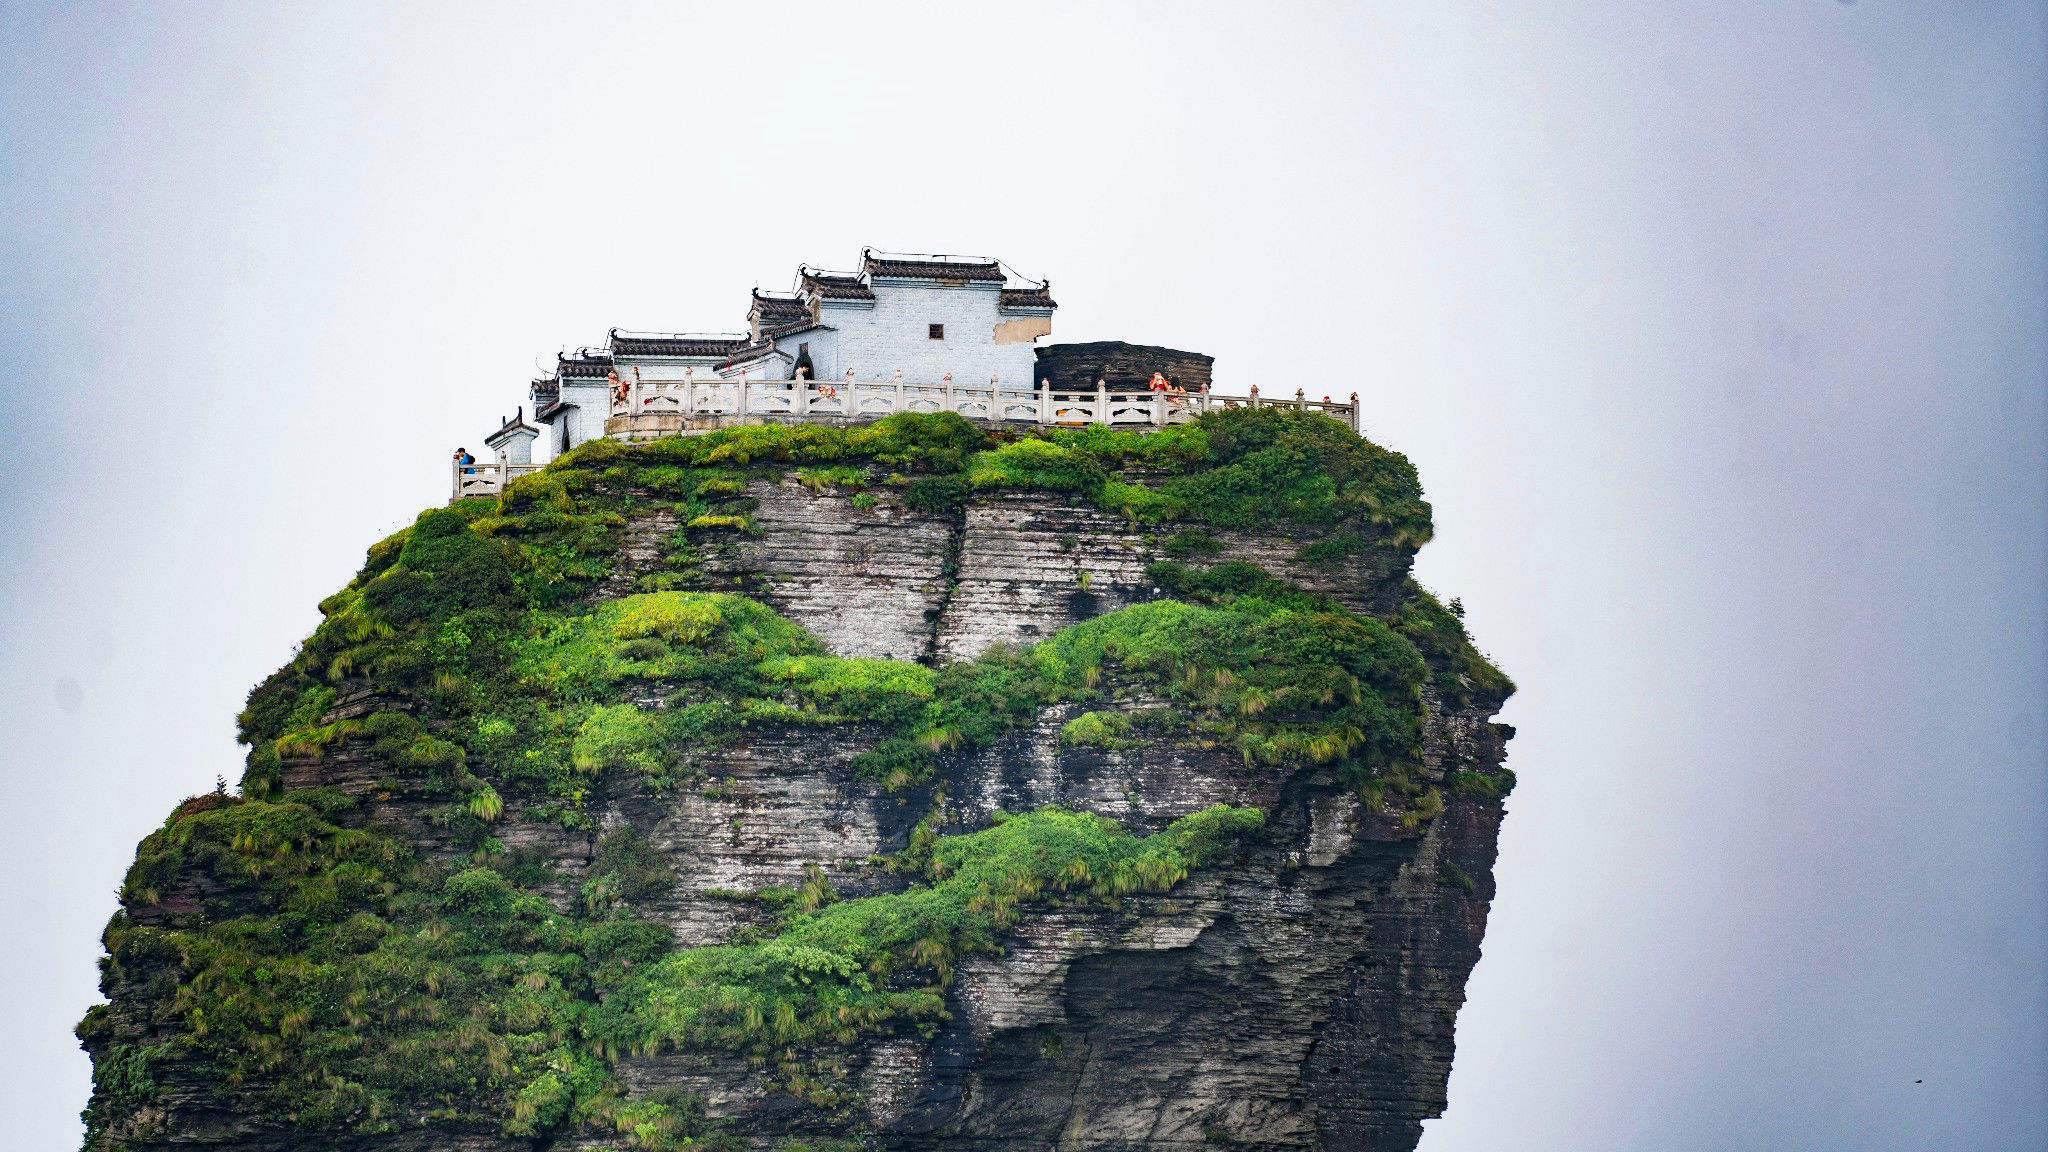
<point x="486" y="477"/>
<point x="650" y="409"/>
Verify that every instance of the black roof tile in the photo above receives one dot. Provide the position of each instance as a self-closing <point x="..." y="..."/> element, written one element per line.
<point x="750" y="352"/>
<point x="1039" y="297"/>
<point x="834" y="286"/>
<point x="676" y="344"/>
<point x="778" y="309"/>
<point x="583" y="363"/>
<point x="902" y="269"/>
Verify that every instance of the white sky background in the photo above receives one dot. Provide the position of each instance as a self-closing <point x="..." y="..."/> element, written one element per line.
<point x="1716" y="330"/>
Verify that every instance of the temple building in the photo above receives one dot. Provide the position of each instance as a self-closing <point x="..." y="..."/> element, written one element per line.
<point x="923" y="319"/>
<point x="904" y="334"/>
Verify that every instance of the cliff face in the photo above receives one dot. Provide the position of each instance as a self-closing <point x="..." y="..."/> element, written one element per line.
<point x="410" y="936"/>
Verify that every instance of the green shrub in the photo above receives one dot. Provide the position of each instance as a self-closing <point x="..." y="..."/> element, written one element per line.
<point x="1138" y="502"/>
<point x="918" y="441"/>
<point x="720" y="523"/>
<point x="626" y="868"/>
<point x="1334" y="550"/>
<point x="1486" y="785"/>
<point x="617" y="736"/>
<point x="719" y="485"/>
<point x="406" y="743"/>
<point x="1192" y="542"/>
<point x="1035" y="463"/>
<point x="1448" y="872"/>
<point x="1323" y="686"/>
<point x="479" y="892"/>
<point x="1107" y="730"/>
<point x="1462" y="676"/>
<point x="1274" y="464"/>
<point x="944" y="495"/>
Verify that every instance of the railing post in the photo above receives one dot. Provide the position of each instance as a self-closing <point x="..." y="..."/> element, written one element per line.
<point x="1101" y="401"/>
<point x="1300" y="402"/>
<point x="1255" y="395"/>
<point x="1357" y="427"/>
<point x="1045" y="400"/>
<point x="689" y="391"/>
<point x="800" y="404"/>
<point x="745" y="399"/>
<point x="1158" y="409"/>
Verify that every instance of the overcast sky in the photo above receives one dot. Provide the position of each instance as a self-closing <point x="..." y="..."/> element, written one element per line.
<point x="1718" y="331"/>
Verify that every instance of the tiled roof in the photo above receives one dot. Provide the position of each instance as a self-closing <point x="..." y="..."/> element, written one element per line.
<point x="678" y="344"/>
<point x="833" y="285"/>
<point x="750" y="353"/>
<point x="583" y="363"/>
<point x="508" y="429"/>
<point x="777" y="310"/>
<point x="773" y="315"/>
<point x="1039" y="297"/>
<point x="933" y="269"/>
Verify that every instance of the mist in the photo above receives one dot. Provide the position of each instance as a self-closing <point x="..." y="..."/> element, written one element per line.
<point x="1717" y="331"/>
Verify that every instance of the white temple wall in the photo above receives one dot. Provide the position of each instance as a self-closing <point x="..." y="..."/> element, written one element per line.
<point x="895" y="334"/>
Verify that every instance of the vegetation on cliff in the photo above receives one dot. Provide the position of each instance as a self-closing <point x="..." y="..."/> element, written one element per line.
<point x="348" y="979"/>
<point x="359" y="982"/>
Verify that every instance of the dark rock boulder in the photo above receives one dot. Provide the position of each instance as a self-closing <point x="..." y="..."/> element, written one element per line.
<point x="1122" y="365"/>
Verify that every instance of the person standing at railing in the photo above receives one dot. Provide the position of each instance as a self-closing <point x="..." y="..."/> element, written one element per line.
<point x="1163" y="388"/>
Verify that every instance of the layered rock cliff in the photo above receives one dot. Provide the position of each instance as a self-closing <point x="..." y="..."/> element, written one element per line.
<point x="908" y="787"/>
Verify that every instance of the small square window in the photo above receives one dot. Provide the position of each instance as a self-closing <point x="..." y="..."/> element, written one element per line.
<point x="938" y="331"/>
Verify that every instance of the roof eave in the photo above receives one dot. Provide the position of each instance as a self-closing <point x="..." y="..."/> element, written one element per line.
<point x="937" y="282"/>
<point x="506" y="433"/>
